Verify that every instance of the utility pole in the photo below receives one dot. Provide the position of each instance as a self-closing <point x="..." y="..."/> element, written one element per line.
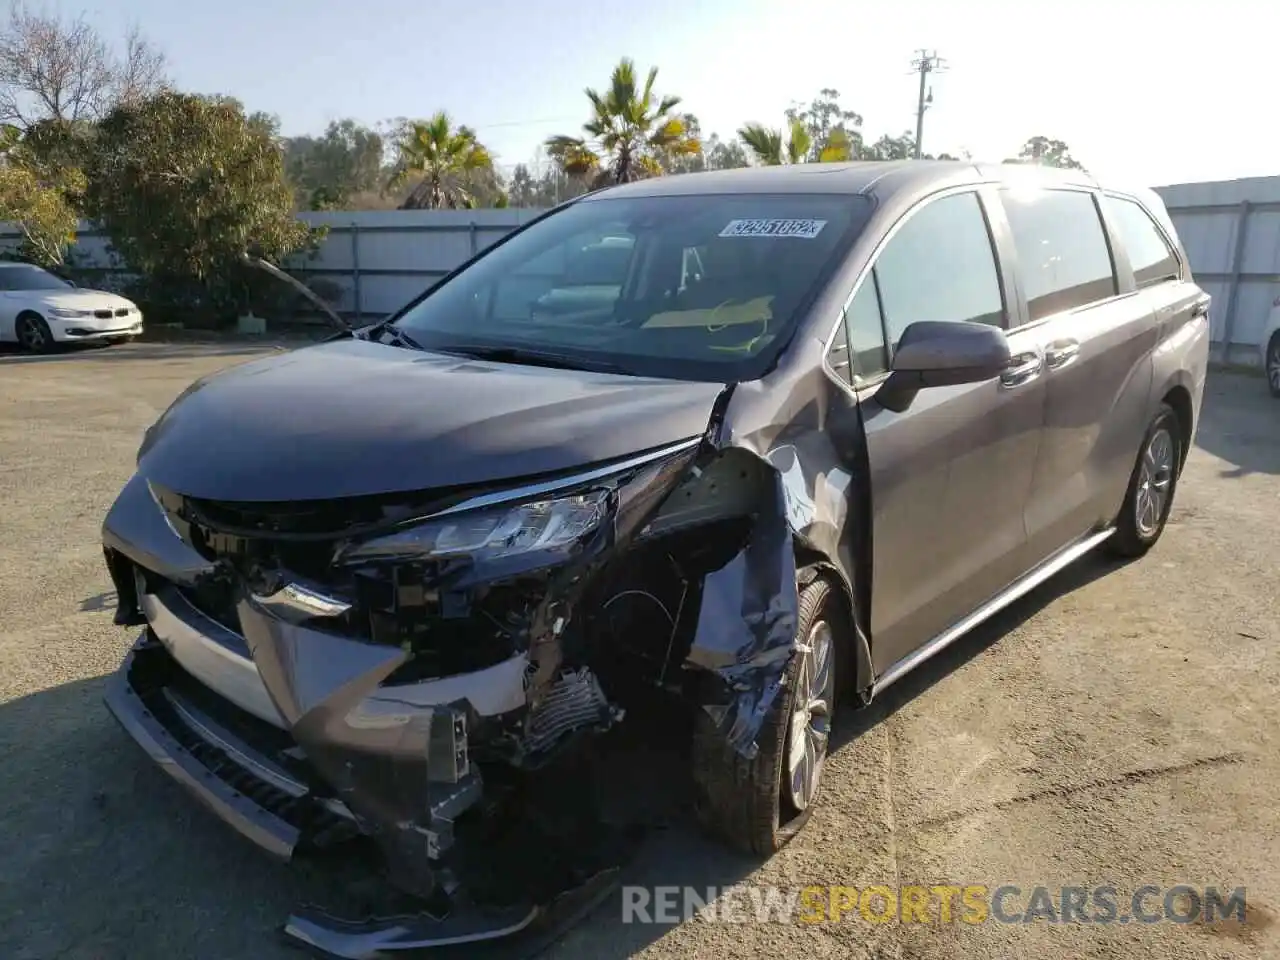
<point x="924" y="64"/>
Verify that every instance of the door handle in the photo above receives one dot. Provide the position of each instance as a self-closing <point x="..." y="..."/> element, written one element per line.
<point x="1023" y="368"/>
<point x="1199" y="310"/>
<point x="1060" y="353"/>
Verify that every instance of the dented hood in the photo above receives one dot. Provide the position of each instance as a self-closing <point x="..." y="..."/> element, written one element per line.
<point x="351" y="418"/>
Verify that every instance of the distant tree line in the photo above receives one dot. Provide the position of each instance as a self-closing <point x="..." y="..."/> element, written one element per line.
<point x="184" y="184"/>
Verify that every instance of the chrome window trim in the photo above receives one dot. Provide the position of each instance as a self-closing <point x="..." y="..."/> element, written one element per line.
<point x="1041" y="321"/>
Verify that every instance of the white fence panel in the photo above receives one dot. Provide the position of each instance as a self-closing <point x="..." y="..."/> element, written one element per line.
<point x="1231" y="231"/>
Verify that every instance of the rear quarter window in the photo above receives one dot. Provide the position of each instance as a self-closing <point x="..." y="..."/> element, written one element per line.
<point x="1150" y="254"/>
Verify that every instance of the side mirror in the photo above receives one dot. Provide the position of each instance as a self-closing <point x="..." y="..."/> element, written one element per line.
<point x="943" y="353"/>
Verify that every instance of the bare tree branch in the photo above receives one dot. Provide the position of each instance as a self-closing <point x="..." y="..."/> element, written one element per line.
<point x="62" y="69"/>
<point x="141" y="73"/>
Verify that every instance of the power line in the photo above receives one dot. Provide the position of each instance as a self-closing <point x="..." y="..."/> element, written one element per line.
<point x="924" y="64"/>
<point x="525" y="123"/>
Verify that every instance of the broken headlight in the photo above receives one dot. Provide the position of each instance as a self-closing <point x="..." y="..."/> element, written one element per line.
<point x="500" y="532"/>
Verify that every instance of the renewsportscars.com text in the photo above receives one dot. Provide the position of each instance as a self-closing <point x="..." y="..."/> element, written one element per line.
<point x="938" y="903"/>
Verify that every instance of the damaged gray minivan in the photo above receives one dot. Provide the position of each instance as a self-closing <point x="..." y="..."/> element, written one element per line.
<point x="755" y="443"/>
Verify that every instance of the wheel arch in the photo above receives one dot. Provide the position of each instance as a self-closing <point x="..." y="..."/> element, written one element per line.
<point x="1271" y="347"/>
<point x="1178" y="398"/>
<point x="855" y="655"/>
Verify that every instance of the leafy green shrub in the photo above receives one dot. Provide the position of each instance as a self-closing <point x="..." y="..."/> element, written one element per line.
<point x="183" y="185"/>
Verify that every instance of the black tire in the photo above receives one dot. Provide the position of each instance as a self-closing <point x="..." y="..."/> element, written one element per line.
<point x="747" y="803"/>
<point x="1272" y="363"/>
<point x="1141" y="520"/>
<point x="33" y="333"/>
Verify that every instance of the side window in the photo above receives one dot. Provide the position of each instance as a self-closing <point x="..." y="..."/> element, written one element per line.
<point x="838" y="354"/>
<point x="1063" y="257"/>
<point x="1152" y="258"/>
<point x="940" y="266"/>
<point x="864" y="330"/>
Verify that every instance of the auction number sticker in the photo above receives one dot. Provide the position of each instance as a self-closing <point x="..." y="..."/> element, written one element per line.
<point x="804" y="229"/>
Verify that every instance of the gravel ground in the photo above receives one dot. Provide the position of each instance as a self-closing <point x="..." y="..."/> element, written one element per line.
<point x="1115" y="727"/>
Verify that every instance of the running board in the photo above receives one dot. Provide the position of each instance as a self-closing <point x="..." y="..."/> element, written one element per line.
<point x="1020" y="588"/>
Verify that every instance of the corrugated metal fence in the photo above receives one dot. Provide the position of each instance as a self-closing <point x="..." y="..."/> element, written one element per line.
<point x="1231" y="231"/>
<point x="384" y="258"/>
<point x="380" y="259"/>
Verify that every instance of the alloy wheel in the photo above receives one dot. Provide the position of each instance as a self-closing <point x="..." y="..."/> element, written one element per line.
<point x="30" y="335"/>
<point x="1155" y="482"/>
<point x="810" y="726"/>
<point x="1273" y="365"/>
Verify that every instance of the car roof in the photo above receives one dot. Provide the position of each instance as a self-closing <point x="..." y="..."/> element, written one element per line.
<point x="880" y="179"/>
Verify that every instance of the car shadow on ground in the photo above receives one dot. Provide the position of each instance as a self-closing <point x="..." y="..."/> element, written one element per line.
<point x="1240" y="423"/>
<point x="1091" y="567"/>
<point x="99" y="601"/>
<point x="106" y="858"/>
<point x="107" y="847"/>
<point x="99" y="845"/>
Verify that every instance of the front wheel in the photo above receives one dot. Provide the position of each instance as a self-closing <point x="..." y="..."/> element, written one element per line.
<point x="1273" y="364"/>
<point x="1150" y="496"/>
<point x="758" y="805"/>
<point x="33" y="333"/>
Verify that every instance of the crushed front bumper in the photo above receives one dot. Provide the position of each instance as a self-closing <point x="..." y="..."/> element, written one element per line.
<point x="236" y="779"/>
<point x="251" y="774"/>
<point x="281" y="773"/>
<point x="292" y="736"/>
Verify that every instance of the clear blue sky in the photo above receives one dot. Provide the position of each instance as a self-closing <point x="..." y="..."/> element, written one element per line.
<point x="1146" y="91"/>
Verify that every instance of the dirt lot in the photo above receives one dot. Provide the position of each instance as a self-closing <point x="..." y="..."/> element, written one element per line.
<point x="1116" y="727"/>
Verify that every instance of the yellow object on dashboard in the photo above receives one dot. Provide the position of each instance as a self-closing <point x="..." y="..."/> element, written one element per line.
<point x="727" y="314"/>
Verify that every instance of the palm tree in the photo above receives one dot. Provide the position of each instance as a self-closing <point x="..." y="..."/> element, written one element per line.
<point x="838" y="148"/>
<point x="448" y="163"/>
<point x="630" y="132"/>
<point x="769" y="149"/>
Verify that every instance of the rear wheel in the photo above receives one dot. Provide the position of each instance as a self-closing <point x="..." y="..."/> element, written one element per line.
<point x="758" y="805"/>
<point x="33" y="333"/>
<point x="1150" y="496"/>
<point x="1273" y="364"/>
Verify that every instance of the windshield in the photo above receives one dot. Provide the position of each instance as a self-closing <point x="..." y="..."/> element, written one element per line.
<point x="26" y="277"/>
<point x="689" y="287"/>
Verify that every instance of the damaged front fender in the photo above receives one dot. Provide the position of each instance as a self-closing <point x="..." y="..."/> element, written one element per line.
<point x="746" y="630"/>
<point x="807" y="453"/>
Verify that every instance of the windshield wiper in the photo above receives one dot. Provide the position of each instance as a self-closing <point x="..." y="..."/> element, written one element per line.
<point x="398" y="337"/>
<point x="533" y="358"/>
